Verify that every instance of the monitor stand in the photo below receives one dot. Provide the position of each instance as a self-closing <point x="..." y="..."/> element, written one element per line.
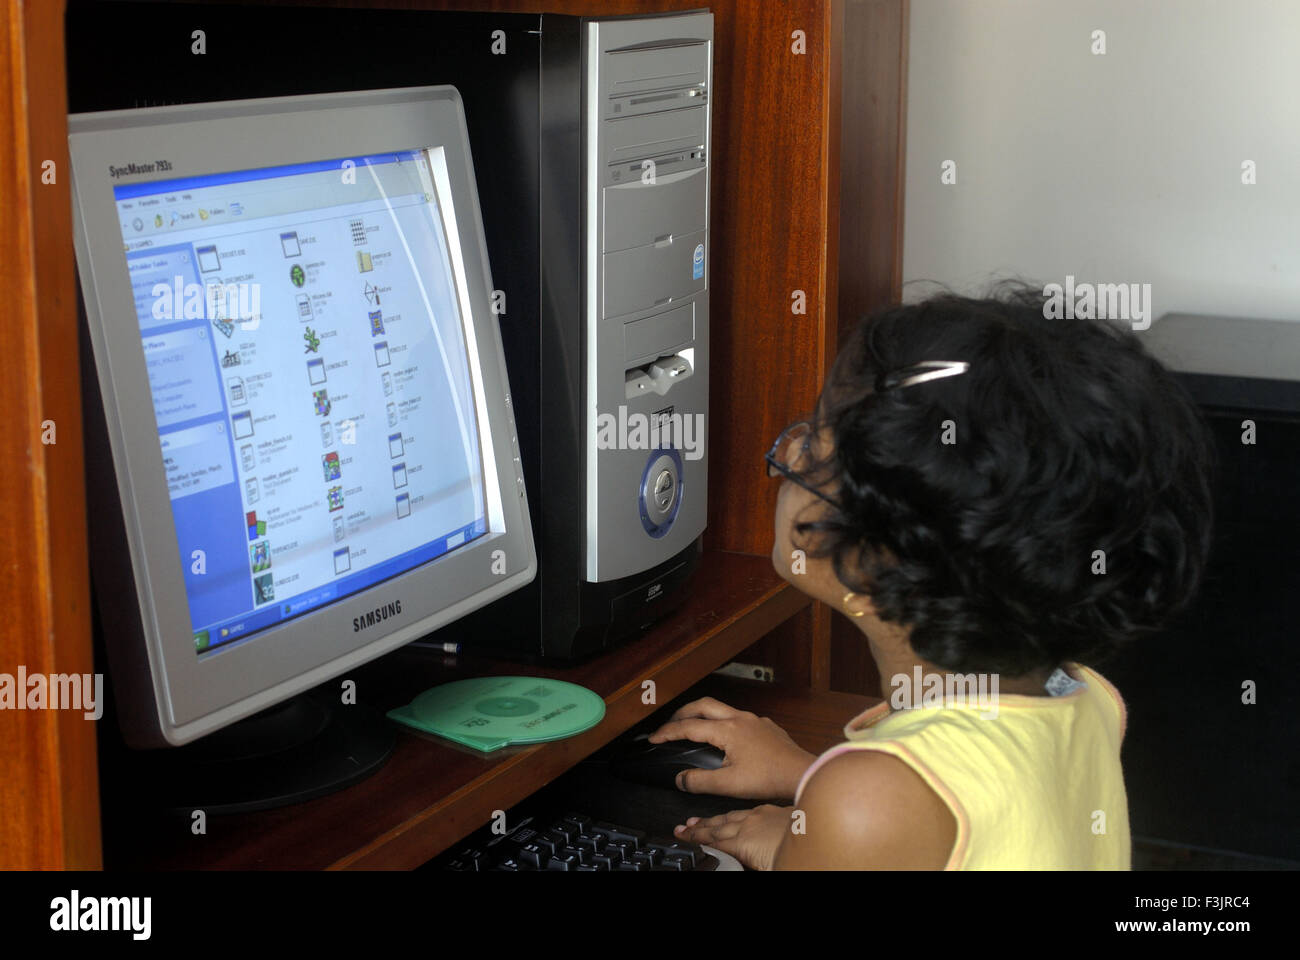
<point x="305" y="747"/>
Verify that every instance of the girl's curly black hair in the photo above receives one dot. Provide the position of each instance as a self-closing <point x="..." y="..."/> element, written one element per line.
<point x="1069" y="439"/>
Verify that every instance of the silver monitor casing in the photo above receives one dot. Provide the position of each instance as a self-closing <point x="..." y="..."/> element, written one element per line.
<point x="192" y="695"/>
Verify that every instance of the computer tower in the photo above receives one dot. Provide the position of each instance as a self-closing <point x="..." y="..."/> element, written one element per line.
<point x="624" y="346"/>
<point x="590" y="141"/>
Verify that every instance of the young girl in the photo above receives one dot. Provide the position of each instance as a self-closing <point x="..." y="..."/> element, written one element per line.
<point x="994" y="498"/>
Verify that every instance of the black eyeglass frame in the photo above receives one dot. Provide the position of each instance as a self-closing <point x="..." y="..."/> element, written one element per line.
<point x="784" y="470"/>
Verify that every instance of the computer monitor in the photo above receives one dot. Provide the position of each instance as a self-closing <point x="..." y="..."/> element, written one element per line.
<point x="303" y="391"/>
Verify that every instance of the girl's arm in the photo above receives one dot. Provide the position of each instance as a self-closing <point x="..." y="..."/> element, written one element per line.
<point x="866" y="810"/>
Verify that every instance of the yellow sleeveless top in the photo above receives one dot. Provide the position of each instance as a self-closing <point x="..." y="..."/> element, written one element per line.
<point x="1035" y="785"/>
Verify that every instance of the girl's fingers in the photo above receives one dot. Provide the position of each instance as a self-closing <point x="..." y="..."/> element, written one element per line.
<point x="722" y="827"/>
<point x="690" y="728"/>
<point x="706" y="708"/>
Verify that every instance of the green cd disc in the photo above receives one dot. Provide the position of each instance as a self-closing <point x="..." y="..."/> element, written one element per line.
<point x="488" y="713"/>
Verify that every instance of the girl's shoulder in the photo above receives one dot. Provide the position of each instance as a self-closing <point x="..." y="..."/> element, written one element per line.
<point x="865" y="809"/>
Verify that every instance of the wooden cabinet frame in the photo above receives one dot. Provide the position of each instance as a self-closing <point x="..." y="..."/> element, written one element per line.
<point x="807" y="196"/>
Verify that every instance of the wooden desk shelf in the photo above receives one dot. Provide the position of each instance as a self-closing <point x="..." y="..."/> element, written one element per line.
<point x="432" y="793"/>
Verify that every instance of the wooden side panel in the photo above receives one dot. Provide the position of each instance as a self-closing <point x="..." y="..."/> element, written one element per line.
<point x="49" y="795"/>
<point x="839" y="45"/>
<point x="770" y="204"/>
<point x="872" y="147"/>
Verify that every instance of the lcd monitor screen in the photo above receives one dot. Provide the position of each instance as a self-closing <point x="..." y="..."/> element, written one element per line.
<point x="309" y="366"/>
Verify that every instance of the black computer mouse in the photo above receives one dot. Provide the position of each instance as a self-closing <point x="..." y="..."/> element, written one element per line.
<point x="657" y="764"/>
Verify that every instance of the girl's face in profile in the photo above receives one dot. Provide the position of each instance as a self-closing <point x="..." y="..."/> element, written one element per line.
<point x="796" y="503"/>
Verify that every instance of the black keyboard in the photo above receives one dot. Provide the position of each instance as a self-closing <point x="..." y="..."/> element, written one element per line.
<point x="576" y="843"/>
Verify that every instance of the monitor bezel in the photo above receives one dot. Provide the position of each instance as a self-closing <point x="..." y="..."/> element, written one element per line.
<point x="195" y="695"/>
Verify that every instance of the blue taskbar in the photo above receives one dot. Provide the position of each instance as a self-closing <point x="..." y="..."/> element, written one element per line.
<point x="217" y="634"/>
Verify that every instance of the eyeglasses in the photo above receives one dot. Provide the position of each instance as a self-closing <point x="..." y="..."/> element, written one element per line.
<point x="797" y="433"/>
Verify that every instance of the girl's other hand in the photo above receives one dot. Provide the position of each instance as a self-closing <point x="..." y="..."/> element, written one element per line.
<point x="751" y="836"/>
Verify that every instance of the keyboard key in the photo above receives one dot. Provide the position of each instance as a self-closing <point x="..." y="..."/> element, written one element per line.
<point x="567" y="829"/>
<point x="625" y="834"/>
<point x="577" y="854"/>
<point x="624" y="848"/>
<point x="475" y="859"/>
<point x="678" y="849"/>
<point x="562" y="862"/>
<point x="534" y="854"/>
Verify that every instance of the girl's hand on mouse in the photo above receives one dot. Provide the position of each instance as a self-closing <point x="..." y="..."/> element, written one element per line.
<point x="751" y="836"/>
<point x="762" y="761"/>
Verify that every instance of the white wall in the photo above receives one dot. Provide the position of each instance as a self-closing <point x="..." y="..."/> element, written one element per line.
<point x="1122" y="168"/>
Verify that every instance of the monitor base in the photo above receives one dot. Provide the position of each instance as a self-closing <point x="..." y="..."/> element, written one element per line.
<point x="306" y="747"/>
